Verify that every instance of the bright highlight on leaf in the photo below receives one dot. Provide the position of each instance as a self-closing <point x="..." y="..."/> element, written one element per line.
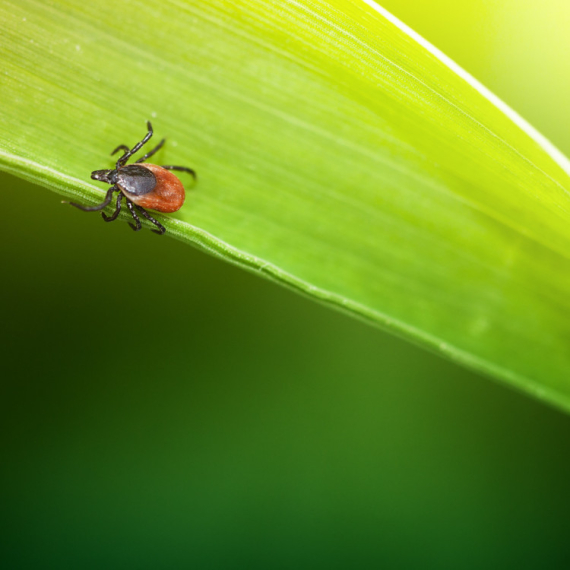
<point x="339" y="154"/>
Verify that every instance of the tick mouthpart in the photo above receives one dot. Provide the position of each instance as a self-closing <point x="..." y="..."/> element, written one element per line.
<point x="102" y="175"/>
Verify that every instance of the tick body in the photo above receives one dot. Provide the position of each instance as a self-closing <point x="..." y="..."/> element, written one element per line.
<point x="143" y="185"/>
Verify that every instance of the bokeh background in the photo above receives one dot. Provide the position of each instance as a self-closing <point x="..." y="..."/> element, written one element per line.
<point x="161" y="409"/>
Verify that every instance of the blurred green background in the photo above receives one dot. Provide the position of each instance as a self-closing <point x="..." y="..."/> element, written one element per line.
<point x="161" y="409"/>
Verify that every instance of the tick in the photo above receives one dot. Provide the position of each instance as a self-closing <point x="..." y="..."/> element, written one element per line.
<point x="143" y="185"/>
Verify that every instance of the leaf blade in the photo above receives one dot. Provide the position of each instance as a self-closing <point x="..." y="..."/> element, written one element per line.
<point x="337" y="154"/>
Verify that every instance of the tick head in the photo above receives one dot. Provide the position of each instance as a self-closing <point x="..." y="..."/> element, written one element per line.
<point x="108" y="176"/>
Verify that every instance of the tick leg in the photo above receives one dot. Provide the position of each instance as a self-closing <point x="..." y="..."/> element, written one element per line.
<point x="120" y="147"/>
<point x="116" y="212"/>
<point x="136" y="148"/>
<point x="155" y="149"/>
<point x="98" y="207"/>
<point x="182" y="169"/>
<point x="161" y="228"/>
<point x="135" y="217"/>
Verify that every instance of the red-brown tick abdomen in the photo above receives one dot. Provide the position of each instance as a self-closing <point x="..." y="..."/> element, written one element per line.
<point x="168" y="194"/>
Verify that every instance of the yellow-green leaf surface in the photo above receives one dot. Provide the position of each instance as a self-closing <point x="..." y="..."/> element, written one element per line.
<point x="337" y="152"/>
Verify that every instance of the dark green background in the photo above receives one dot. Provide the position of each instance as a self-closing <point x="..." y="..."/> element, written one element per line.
<point x="161" y="409"/>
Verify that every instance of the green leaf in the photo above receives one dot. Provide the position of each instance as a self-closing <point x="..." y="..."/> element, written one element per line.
<point x="338" y="153"/>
